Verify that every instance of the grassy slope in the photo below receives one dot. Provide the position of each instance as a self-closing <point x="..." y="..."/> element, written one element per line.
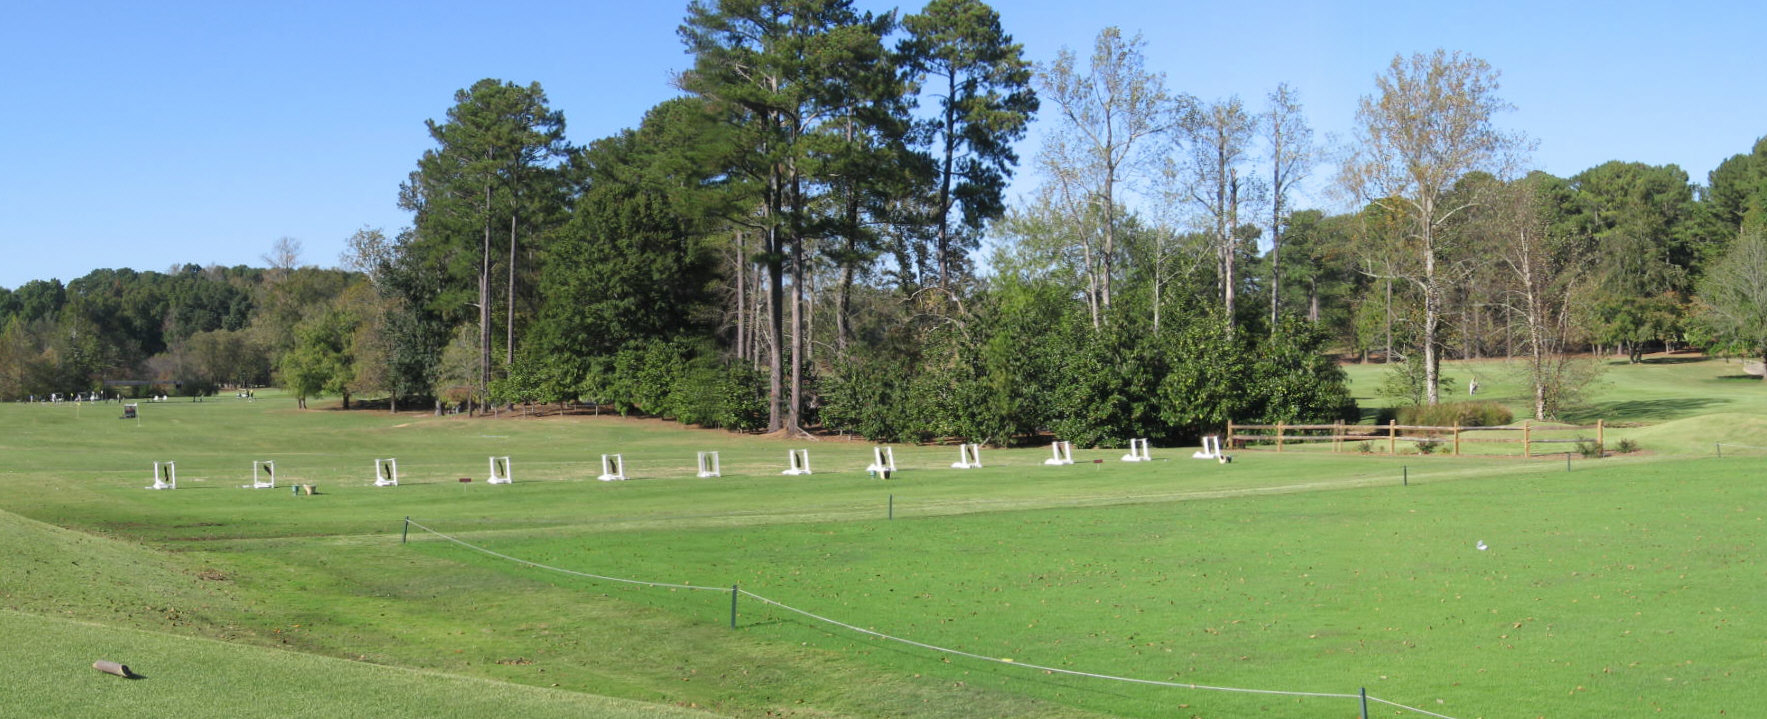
<point x="1259" y="579"/>
<point x="48" y="660"/>
<point x="1684" y="405"/>
<point x="1662" y="388"/>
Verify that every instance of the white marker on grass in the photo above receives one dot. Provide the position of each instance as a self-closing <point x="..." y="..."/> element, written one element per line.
<point x="1481" y="545"/>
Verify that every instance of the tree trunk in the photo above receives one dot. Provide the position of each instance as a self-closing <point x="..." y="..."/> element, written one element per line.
<point x="795" y="212"/>
<point x="1092" y="289"/>
<point x="775" y="330"/>
<point x="1469" y="319"/>
<point x="794" y="407"/>
<point x="772" y="207"/>
<point x="485" y="302"/>
<point x="509" y="321"/>
<point x="809" y="295"/>
<point x="1229" y="281"/>
<point x="1432" y="318"/>
<point x="1159" y="269"/>
<point x="1313" y="300"/>
<point x="945" y="172"/>
<point x="759" y="304"/>
<point x="843" y="305"/>
<point x="741" y="341"/>
<point x="1387" y="357"/>
<point x="1110" y="236"/>
<point x="1275" y="273"/>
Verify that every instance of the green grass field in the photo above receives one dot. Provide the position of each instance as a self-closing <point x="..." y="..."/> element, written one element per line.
<point x="1621" y="586"/>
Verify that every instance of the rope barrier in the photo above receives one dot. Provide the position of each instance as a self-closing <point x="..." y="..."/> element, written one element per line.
<point x="1425" y="712"/>
<point x="562" y="570"/>
<point x="924" y="645"/>
<point x="1027" y="665"/>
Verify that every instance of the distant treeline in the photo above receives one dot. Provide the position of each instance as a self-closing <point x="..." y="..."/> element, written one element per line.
<point x="192" y="329"/>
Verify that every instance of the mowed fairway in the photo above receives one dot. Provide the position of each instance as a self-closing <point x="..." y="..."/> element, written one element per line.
<point x="1625" y="586"/>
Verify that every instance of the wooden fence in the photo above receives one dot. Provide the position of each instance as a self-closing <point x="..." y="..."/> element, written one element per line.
<point x="1392" y="433"/>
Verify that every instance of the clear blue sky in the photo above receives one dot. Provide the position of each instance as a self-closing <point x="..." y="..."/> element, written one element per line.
<point x="148" y="134"/>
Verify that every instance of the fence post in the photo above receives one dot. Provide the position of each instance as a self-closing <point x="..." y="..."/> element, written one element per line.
<point x="892" y="507"/>
<point x="1393" y="437"/>
<point x="1278" y="436"/>
<point x="1337" y="437"/>
<point x="1229" y="437"/>
<point x="1364" y="702"/>
<point x="733" y="593"/>
<point x="1527" y="439"/>
<point x="1601" y="435"/>
<point x="406" y="531"/>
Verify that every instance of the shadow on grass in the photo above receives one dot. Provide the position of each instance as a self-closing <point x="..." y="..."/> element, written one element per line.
<point x="1691" y="359"/>
<point x="1644" y="410"/>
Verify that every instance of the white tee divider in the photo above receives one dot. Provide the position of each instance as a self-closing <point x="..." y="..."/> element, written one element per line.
<point x="969" y="456"/>
<point x="499" y="471"/>
<point x="799" y="461"/>
<point x="1211" y="449"/>
<point x="708" y="465"/>
<point x="263" y="475"/>
<point x="386" y="472"/>
<point x="613" y="468"/>
<point x="883" y="460"/>
<point x="165" y="475"/>
<point x="1063" y="452"/>
<point x="1139" y="451"/>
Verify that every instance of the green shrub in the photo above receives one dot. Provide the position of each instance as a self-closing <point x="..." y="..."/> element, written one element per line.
<point x="1626" y="446"/>
<point x="1456" y="414"/>
<point x="1589" y="449"/>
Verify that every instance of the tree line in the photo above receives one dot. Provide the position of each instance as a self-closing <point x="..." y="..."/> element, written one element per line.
<point x="815" y="234"/>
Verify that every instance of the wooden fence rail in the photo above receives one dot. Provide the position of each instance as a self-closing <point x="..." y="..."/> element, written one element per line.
<point x="1240" y="435"/>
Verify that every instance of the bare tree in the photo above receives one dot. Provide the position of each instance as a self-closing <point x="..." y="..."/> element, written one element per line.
<point x="366" y="251"/>
<point x="1220" y="136"/>
<point x="1110" y="111"/>
<point x="1544" y="273"/>
<point x="1429" y="126"/>
<point x="1290" y="143"/>
<point x="1733" y="294"/>
<point x="284" y="254"/>
<point x="1071" y="217"/>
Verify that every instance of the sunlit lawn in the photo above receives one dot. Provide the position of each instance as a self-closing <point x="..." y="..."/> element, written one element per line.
<point x="1616" y="587"/>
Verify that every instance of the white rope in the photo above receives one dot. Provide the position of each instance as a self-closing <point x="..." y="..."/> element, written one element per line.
<point x="932" y="647"/>
<point x="562" y="570"/>
<point x="1744" y="446"/>
<point x="1402" y="706"/>
<point x="1055" y="670"/>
